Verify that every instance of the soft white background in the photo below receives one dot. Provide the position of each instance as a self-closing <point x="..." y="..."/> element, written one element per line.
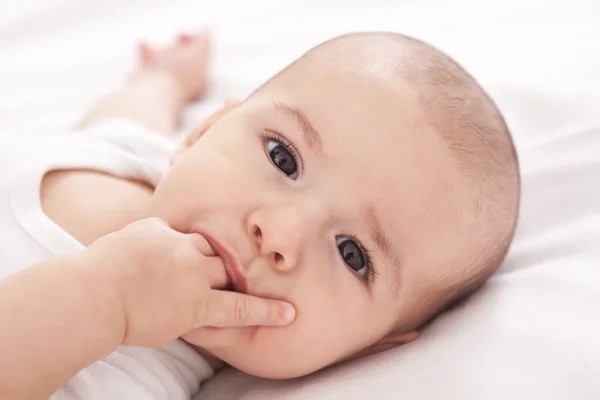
<point x="533" y="332"/>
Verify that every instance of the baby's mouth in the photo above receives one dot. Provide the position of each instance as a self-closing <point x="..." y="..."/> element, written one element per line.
<point x="236" y="281"/>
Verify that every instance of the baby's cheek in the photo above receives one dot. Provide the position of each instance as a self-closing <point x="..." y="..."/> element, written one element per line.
<point x="282" y="353"/>
<point x="305" y="336"/>
<point x="313" y="341"/>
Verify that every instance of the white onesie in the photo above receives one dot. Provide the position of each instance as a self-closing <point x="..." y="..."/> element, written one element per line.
<point x="28" y="236"/>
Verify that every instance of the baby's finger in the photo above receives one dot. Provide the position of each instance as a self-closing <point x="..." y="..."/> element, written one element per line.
<point x="220" y="337"/>
<point x="213" y="272"/>
<point x="229" y="309"/>
<point x="202" y="245"/>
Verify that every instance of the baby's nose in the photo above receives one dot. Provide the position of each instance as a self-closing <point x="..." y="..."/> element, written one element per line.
<point x="282" y="240"/>
<point x="282" y="234"/>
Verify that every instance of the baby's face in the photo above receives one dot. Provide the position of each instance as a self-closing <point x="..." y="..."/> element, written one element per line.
<point x="320" y="185"/>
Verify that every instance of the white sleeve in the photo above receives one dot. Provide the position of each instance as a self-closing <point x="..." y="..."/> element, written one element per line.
<point x="133" y="138"/>
<point x="121" y="133"/>
<point x="172" y="372"/>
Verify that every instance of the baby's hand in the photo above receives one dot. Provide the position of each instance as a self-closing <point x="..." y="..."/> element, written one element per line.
<point x="167" y="283"/>
<point x="186" y="61"/>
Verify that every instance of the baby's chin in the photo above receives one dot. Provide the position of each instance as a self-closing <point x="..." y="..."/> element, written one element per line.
<point x="266" y="361"/>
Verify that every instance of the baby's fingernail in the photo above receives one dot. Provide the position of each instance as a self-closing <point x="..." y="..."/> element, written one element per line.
<point x="288" y="313"/>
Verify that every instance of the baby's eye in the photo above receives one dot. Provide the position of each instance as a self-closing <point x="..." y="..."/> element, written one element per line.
<point x="282" y="158"/>
<point x="353" y="255"/>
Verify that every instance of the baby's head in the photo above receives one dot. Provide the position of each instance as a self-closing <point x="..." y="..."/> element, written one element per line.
<point x="371" y="183"/>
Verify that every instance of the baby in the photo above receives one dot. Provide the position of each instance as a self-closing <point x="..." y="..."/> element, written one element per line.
<point x="372" y="183"/>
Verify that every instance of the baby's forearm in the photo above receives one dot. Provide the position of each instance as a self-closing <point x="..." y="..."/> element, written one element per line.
<point x="54" y="321"/>
<point x="151" y="97"/>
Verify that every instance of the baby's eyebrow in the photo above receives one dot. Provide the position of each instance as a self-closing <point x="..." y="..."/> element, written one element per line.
<point x="312" y="137"/>
<point x="383" y="242"/>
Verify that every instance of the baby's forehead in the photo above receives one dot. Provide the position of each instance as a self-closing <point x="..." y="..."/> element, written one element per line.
<point x="357" y="95"/>
<point x="362" y="116"/>
<point x="372" y="126"/>
<point x="350" y="101"/>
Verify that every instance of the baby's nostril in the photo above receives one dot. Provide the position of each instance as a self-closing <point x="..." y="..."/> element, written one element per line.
<point x="257" y="232"/>
<point x="278" y="258"/>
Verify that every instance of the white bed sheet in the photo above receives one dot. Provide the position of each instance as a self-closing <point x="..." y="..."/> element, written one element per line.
<point x="534" y="331"/>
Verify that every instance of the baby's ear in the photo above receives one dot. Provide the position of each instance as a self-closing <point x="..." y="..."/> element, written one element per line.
<point x="203" y="127"/>
<point x="393" y="339"/>
<point x="400" y="338"/>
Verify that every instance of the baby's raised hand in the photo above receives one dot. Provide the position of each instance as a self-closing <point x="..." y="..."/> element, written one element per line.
<point x="167" y="283"/>
<point x="186" y="61"/>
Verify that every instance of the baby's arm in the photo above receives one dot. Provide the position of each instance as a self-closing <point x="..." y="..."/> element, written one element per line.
<point x="166" y="81"/>
<point x="59" y="316"/>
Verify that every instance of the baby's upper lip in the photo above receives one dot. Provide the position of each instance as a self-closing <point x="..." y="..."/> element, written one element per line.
<point x="232" y="266"/>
